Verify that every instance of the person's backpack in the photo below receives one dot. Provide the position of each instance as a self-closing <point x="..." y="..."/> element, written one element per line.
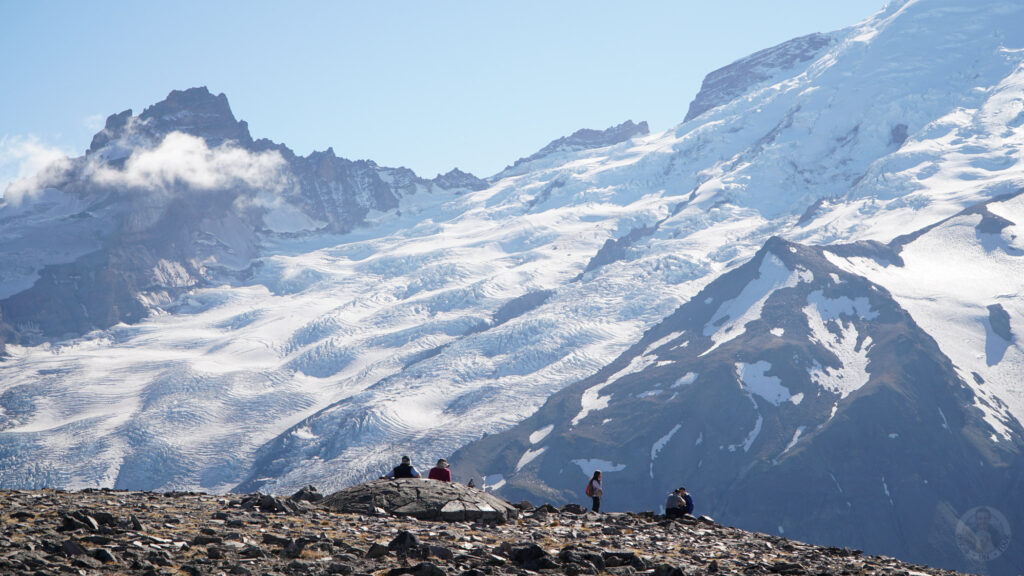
<point x="590" y="488"/>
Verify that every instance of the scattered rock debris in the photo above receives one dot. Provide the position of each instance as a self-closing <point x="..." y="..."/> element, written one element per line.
<point x="91" y="532"/>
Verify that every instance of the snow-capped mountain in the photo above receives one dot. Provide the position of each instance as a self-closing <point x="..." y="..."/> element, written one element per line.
<point x="187" y="307"/>
<point x="793" y="395"/>
<point x="168" y="201"/>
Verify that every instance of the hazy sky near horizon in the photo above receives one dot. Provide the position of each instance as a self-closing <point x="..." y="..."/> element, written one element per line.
<point x="426" y="85"/>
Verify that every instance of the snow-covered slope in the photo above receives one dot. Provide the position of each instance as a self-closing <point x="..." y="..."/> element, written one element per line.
<point x="351" y="313"/>
<point x="962" y="283"/>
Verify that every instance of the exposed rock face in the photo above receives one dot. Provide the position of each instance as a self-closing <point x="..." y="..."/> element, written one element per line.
<point x="198" y="112"/>
<point x="583" y="139"/>
<point x="616" y="249"/>
<point x="456" y="178"/>
<point x="727" y="83"/>
<point x="1000" y="321"/>
<point x="111" y="532"/>
<point x="115" y="126"/>
<point x="194" y="111"/>
<point x="422" y="499"/>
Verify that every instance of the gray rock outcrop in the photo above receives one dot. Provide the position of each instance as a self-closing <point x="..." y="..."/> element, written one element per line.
<point x="727" y="83"/>
<point x="583" y="139"/>
<point x="422" y="499"/>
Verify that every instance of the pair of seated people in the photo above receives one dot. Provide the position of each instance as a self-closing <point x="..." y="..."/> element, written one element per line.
<point x="407" y="470"/>
<point x="679" y="503"/>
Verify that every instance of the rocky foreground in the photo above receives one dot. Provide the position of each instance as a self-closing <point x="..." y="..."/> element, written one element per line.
<point x="114" y="532"/>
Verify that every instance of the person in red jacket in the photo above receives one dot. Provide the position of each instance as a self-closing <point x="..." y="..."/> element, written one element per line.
<point x="441" y="471"/>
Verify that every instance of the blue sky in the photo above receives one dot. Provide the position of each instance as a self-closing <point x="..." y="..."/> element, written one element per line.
<point x="426" y="85"/>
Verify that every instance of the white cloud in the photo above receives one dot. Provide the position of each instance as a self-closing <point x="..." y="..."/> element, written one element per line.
<point x="183" y="161"/>
<point x="94" y="122"/>
<point x="27" y="165"/>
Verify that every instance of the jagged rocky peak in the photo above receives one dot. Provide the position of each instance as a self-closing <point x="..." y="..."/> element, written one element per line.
<point x="194" y="111"/>
<point x="586" y="138"/>
<point x="726" y="83"/>
<point x="197" y="111"/>
<point x="115" y="126"/>
<point x="456" y="178"/>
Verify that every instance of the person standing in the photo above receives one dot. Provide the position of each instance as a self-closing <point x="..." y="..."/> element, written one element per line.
<point x="404" y="470"/>
<point x="595" y="491"/>
<point x="440" y="471"/>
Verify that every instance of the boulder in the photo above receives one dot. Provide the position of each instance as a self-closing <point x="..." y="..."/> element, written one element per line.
<point x="422" y="499"/>
<point x="403" y="542"/>
<point x="308" y="494"/>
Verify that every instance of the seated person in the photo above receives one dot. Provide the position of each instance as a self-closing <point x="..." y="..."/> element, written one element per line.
<point x="440" y="472"/>
<point x="403" y="470"/>
<point x="679" y="503"/>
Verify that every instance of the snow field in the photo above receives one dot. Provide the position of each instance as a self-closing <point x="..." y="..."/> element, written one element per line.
<point x="953" y="306"/>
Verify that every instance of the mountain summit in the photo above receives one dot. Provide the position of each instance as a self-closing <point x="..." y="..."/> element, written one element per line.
<point x="194" y="111"/>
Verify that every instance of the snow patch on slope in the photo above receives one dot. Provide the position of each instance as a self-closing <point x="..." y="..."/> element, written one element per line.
<point x="541" y="434"/>
<point x="732" y="316"/>
<point x="661" y="342"/>
<point x="755" y="380"/>
<point x="825" y="317"/>
<point x="751" y="437"/>
<point x="660" y="443"/>
<point x="492" y="482"/>
<point x="591" y="400"/>
<point x="754" y="432"/>
<point x="590" y="465"/>
<point x="796" y="438"/>
<point x="685" y="380"/>
<point x="529" y="456"/>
